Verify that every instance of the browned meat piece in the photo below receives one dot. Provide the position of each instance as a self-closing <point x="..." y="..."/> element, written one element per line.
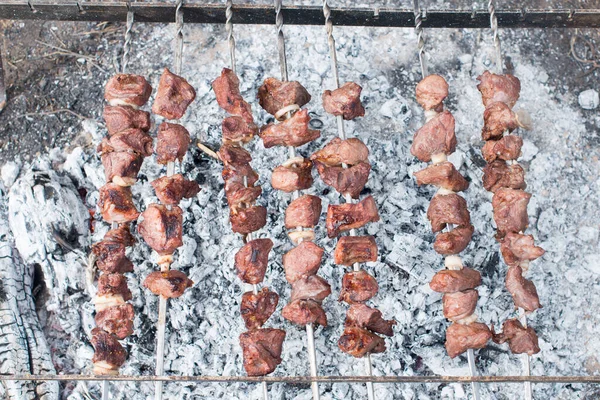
<point x="497" y="119"/>
<point x="520" y="339"/>
<point x="302" y="260"/>
<point x="120" y="118"/>
<point x="506" y="148"/>
<point x="510" y="211"/>
<point x="113" y="285"/>
<point x="311" y="287"/>
<point x="450" y="281"/>
<point x="109" y="355"/>
<point x="516" y="247"/>
<point x="304" y="312"/>
<point x="355" y="249"/>
<point x="294" y="177"/>
<point x="252" y="259"/>
<point x="442" y="175"/>
<point x="172" y="143"/>
<point x="350" y="180"/>
<point x="227" y="91"/>
<point x="363" y="316"/>
<point x="522" y="290"/>
<point x="117" y="320"/>
<point x="239" y="196"/>
<point x="110" y="257"/>
<point x="262" y="350"/>
<point x="337" y="152"/>
<point x="431" y="92"/>
<point x="274" y="95"/>
<point x="233" y="174"/>
<point x="459" y="305"/>
<point x="359" y="342"/>
<point x="120" y="234"/>
<point x="291" y="132"/>
<point x="447" y="209"/>
<point x="344" y="217"/>
<point x="236" y="130"/>
<point x="127" y="89"/>
<point x="358" y="287"/>
<point x="453" y="242"/>
<point x="460" y="338"/>
<point x="344" y="101"/>
<point x="171" y="189"/>
<point x="305" y="211"/>
<point x="162" y="228"/>
<point x="234" y="155"/>
<point x="121" y="167"/>
<point x="173" y="96"/>
<point x="495" y="88"/>
<point x="116" y="204"/>
<point x="170" y="284"/>
<point x="498" y="174"/>
<point x="247" y="220"/>
<point x="435" y="137"/>
<point x="130" y="140"/>
<point x="256" y="309"/>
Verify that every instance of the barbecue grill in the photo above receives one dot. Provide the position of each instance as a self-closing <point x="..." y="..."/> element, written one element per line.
<point x="231" y="15"/>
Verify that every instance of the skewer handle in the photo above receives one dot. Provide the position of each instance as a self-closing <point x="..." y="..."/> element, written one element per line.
<point x="312" y="358"/>
<point x="369" y="372"/>
<point x="473" y="371"/>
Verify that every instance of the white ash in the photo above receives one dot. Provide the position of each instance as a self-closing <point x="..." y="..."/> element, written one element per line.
<point x="589" y="99"/>
<point x="204" y="324"/>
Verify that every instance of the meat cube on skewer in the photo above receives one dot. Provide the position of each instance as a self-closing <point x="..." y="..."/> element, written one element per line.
<point x="116" y="204"/>
<point x="344" y="101"/>
<point x="302" y="260"/>
<point x="522" y="290"/>
<point x="109" y="355"/>
<point x="110" y="257"/>
<point x="443" y="175"/>
<point x="122" y="167"/>
<point x="274" y="95"/>
<point x="305" y="212"/>
<point x="459" y="305"/>
<point x="355" y="249"/>
<point x="447" y="209"/>
<point x="520" y="339"/>
<point x="453" y="242"/>
<point x="337" y="152"/>
<point x="358" y="342"/>
<point x="291" y="132"/>
<point x="460" y="338"/>
<point x="495" y="88"/>
<point x="297" y="176"/>
<point x="344" y="217"/>
<point x="450" y="281"/>
<point x="172" y="142"/>
<point x="497" y="119"/>
<point x="240" y="173"/>
<point x="173" y="96"/>
<point x="127" y="89"/>
<point x="227" y="91"/>
<point x="498" y="174"/>
<point x="234" y="155"/>
<point x="311" y="287"/>
<point x="506" y="148"/>
<point x="130" y="140"/>
<point x="358" y="287"/>
<point x="113" y="285"/>
<point x="431" y="92"/>
<point x="256" y="309"/>
<point x="239" y="196"/>
<point x="516" y="248"/>
<point x="121" y="235"/>
<point x="435" y="137"/>
<point x="346" y="181"/>
<point x="162" y="228"/>
<point x="120" y="118"/>
<point x="170" y="284"/>
<point x="237" y="130"/>
<point x="303" y="312"/>
<point x="362" y="316"/>
<point x="171" y="189"/>
<point x="117" y="320"/>
<point x="510" y="211"/>
<point x="262" y="350"/>
<point x="247" y="220"/>
<point x="252" y="259"/>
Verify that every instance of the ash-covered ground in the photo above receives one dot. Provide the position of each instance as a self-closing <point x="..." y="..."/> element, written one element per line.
<point x="54" y="189"/>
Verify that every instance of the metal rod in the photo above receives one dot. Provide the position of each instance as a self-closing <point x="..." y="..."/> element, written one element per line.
<point x="312" y="358"/>
<point x="473" y="372"/>
<point x="105" y="387"/>
<point x="127" y="43"/>
<point x="2" y="82"/>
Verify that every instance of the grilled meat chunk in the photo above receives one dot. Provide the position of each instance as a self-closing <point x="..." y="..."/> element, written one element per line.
<point x="450" y="281"/>
<point x="238" y="174"/>
<point x="110" y="257"/>
<point x="497" y="119"/>
<point x="460" y="338"/>
<point x="305" y="212"/>
<point x="116" y="204"/>
<point x="362" y="316"/>
<point x="256" y="309"/>
<point x="510" y="211"/>
<point x="443" y="175"/>
<point x="173" y="96"/>
<point x="117" y="320"/>
<point x="172" y="143"/>
<point x="162" y="228"/>
<point x="109" y="355"/>
<point x="297" y="176"/>
<point x="344" y="217"/>
<point x="516" y="247"/>
<point x="121" y="235"/>
<point x="310" y="287"/>
<point x="303" y="260"/>
<point x="121" y="167"/>
<point x="127" y="89"/>
<point x="113" y="285"/>
<point x="522" y="290"/>
<point x="498" y="174"/>
<point x="459" y="305"/>
<point x="293" y="131"/>
<point x="506" y="148"/>
<point x="247" y="220"/>
<point x="120" y="118"/>
<point x="170" y="284"/>
<point x="252" y="259"/>
<point x="130" y="140"/>
<point x="237" y="130"/>
<point x="238" y="196"/>
<point x="359" y="342"/>
<point x="227" y="91"/>
<point x="344" y="101"/>
<point x="304" y="312"/>
<point x="345" y="181"/>
<point x="171" y="189"/>
<point x="499" y="88"/>
<point x="431" y="92"/>
<point x="234" y="155"/>
<point x="520" y="339"/>
<point x="358" y="287"/>
<point x="435" y="137"/>
<point x="337" y="152"/>
<point x="355" y="249"/>
<point x="453" y="242"/>
<point x="262" y="350"/>
<point x="447" y="209"/>
<point x="274" y="95"/>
